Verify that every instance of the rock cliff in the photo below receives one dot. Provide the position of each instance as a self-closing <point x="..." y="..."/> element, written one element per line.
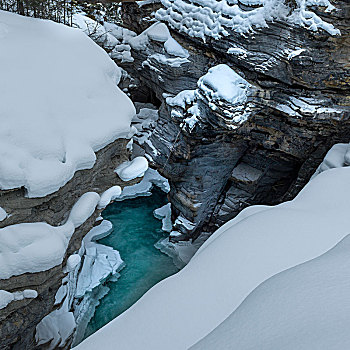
<point x="221" y="155"/>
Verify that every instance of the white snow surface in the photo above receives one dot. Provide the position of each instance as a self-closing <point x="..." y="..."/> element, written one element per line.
<point x="144" y="187"/>
<point x="3" y="214"/>
<point x="7" y="297"/>
<point x="54" y="116"/>
<point x="258" y="244"/>
<point x="34" y="247"/>
<point x="211" y="18"/>
<point x="109" y="195"/>
<point x="306" y="308"/>
<point x="132" y="169"/>
<point x="223" y="83"/>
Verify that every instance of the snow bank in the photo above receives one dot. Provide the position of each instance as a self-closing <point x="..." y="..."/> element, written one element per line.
<point x="54" y="115"/>
<point x="257" y="244"/>
<point x="109" y="195"/>
<point x="132" y="169"/>
<point x="338" y="156"/>
<point x="304" y="308"/>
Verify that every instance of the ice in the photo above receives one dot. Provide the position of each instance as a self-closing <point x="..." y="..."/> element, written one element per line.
<point x="258" y="244"/>
<point x="164" y="214"/>
<point x="87" y="271"/>
<point x="143" y="188"/>
<point x="65" y="115"/>
<point x="132" y="169"/>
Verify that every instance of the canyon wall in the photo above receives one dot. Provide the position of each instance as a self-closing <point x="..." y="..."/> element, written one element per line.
<point x="259" y="150"/>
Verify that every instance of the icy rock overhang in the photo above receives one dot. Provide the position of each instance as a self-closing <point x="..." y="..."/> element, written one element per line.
<point x="211" y="18"/>
<point x="59" y="104"/>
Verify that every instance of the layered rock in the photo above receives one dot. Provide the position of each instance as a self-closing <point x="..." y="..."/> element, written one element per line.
<point x="220" y="155"/>
<point x="19" y="319"/>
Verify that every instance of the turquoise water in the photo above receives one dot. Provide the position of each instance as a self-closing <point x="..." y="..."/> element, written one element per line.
<point x="134" y="235"/>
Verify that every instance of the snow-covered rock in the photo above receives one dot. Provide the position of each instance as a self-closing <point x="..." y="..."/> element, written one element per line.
<point x="54" y="115"/>
<point x="211" y="18"/>
<point x="132" y="169"/>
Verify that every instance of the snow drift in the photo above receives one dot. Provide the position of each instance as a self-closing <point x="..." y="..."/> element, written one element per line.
<point x="59" y="103"/>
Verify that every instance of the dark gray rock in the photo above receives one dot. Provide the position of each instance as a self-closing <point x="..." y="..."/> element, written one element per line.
<point x="299" y="107"/>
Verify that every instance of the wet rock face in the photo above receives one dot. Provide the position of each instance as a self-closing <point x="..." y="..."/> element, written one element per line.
<point x="297" y="108"/>
<point x="19" y="319"/>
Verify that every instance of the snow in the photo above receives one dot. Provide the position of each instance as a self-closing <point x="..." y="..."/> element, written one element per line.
<point x="3" y="214"/>
<point x="132" y="169"/>
<point x="258" y="244"/>
<point x="337" y="157"/>
<point x="304" y="308"/>
<point x="211" y="18"/>
<point x="109" y="195"/>
<point x="219" y="86"/>
<point x="83" y="208"/>
<point x="72" y="262"/>
<point x="223" y="83"/>
<point x="54" y="130"/>
<point x="7" y="297"/>
<point x="34" y="247"/>
<point x="88" y="270"/>
<point x="295" y="53"/>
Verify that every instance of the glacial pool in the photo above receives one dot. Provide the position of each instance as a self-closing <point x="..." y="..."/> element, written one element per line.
<point x="135" y="232"/>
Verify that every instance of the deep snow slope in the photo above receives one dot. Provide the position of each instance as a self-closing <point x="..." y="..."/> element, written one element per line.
<point x="306" y="308"/>
<point x="59" y="103"/>
<point x="259" y="243"/>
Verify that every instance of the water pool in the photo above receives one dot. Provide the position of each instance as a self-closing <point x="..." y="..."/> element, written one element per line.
<point x="135" y="232"/>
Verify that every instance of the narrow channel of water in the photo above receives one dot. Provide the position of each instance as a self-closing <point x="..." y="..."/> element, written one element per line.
<point x="134" y="235"/>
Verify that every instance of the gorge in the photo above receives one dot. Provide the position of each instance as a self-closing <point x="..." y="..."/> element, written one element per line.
<point x="238" y="108"/>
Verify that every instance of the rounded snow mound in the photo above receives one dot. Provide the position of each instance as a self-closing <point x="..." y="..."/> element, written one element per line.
<point x="59" y="103"/>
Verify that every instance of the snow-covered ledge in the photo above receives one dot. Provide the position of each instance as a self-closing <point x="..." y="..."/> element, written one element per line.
<point x="64" y="130"/>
